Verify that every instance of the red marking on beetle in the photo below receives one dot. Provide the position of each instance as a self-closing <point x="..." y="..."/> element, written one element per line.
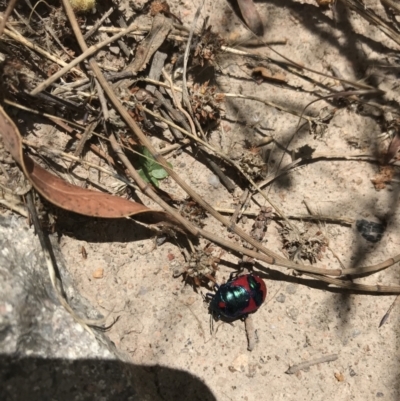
<point x="263" y="287"/>
<point x="241" y="282"/>
<point x="251" y="307"/>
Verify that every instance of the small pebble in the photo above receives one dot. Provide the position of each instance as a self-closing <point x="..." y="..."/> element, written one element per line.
<point x="379" y="394"/>
<point x="339" y="376"/>
<point x="214" y="181"/>
<point x="160" y="240"/>
<point x="352" y="373"/>
<point x="115" y="50"/>
<point x="98" y="273"/>
<point x="281" y="298"/>
<point x="291" y="288"/>
<point x="292" y="312"/>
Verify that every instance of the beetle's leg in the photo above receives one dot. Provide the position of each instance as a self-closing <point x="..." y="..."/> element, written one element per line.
<point x="233" y="275"/>
<point x="244" y="317"/>
<point x="244" y="268"/>
<point x="209" y="296"/>
<point x="210" y="277"/>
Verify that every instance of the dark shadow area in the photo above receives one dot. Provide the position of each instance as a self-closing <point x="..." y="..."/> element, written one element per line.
<point x="37" y="379"/>
<point x="92" y="229"/>
<point x="311" y="17"/>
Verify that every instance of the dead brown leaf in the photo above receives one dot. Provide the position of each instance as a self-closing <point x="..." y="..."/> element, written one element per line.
<point x="156" y="37"/>
<point x="251" y="16"/>
<point x="59" y="192"/>
<point x="393" y="148"/>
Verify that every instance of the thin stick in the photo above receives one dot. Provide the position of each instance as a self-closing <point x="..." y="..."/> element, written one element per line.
<point x="271" y="104"/>
<point x="386" y="317"/>
<point x="103" y="101"/>
<point x="88" y="52"/>
<point x="240" y="206"/>
<point x="96" y="26"/>
<point x="392" y="4"/>
<point x="84" y="138"/>
<point x="67" y="156"/>
<point x="304" y="365"/>
<point x="185" y="92"/>
<point x="306" y="217"/>
<point x="374" y="288"/>
<point x="368" y="270"/>
<point x="250" y="332"/>
<point x="370" y="16"/>
<point x="14" y="205"/>
<point x="19" y="38"/>
<point x="177" y="104"/>
<point x="7" y="13"/>
<point x="292" y="63"/>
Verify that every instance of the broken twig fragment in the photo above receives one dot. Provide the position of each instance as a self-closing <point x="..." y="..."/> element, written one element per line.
<point x="304" y="365"/>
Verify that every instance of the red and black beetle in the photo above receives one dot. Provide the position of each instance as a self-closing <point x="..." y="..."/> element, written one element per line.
<point x="238" y="297"/>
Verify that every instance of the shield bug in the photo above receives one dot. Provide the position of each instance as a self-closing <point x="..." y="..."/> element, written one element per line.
<point x="238" y="297"/>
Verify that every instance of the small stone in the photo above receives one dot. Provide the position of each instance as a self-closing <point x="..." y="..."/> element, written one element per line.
<point x="240" y="363"/>
<point x="292" y="312"/>
<point x="379" y="394"/>
<point x="281" y="298"/>
<point x="114" y="50"/>
<point x="98" y="273"/>
<point x="339" y="376"/>
<point x="214" y="181"/>
<point x="291" y="288"/>
<point x="352" y="373"/>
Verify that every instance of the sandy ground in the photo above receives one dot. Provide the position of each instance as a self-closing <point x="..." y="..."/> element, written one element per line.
<point x="164" y="322"/>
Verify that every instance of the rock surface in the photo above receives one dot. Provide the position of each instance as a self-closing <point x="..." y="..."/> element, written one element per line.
<point x="45" y="354"/>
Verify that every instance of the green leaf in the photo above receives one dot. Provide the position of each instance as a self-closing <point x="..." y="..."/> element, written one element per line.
<point x="159" y="173"/>
<point x="143" y="175"/>
<point x="148" y="163"/>
<point x="154" y="181"/>
<point x="151" y="171"/>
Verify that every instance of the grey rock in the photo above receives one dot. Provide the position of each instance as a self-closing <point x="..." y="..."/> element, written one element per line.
<point x="46" y="355"/>
<point x="32" y="321"/>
